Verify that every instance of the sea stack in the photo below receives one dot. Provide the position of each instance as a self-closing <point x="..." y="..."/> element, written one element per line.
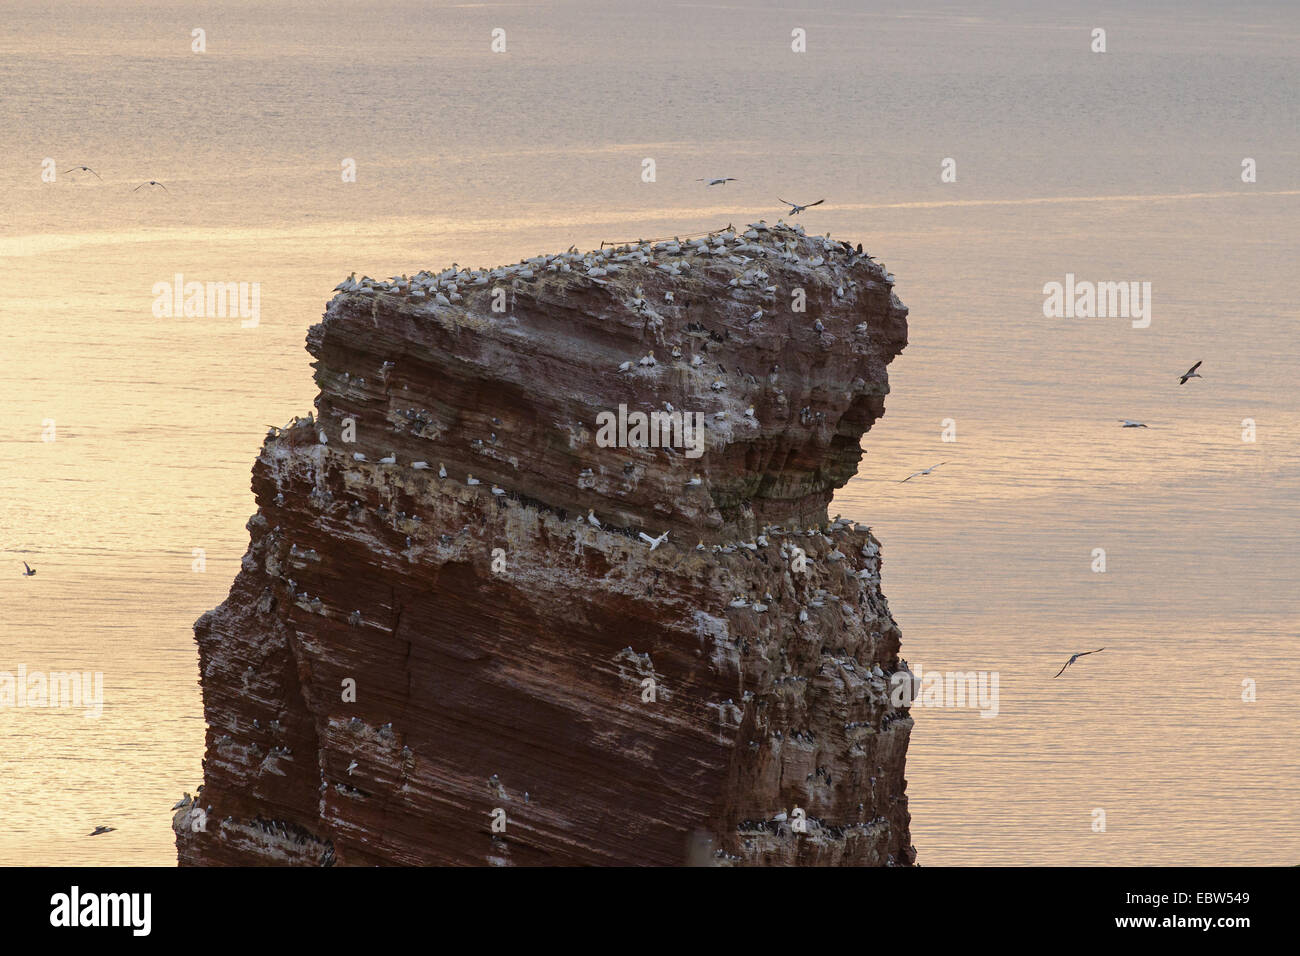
<point x="416" y="669"/>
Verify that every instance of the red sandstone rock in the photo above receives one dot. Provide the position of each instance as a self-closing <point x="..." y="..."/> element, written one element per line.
<point x="501" y="643"/>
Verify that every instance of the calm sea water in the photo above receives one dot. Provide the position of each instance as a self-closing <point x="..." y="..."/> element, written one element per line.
<point x="1117" y="166"/>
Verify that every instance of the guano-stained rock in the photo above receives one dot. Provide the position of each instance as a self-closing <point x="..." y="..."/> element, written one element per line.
<point x="520" y="653"/>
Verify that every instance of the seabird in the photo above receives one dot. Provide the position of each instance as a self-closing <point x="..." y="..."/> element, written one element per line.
<point x="471" y="480"/>
<point x="184" y="802"/>
<point x="419" y="465"/>
<point x="1191" y="373"/>
<point x="720" y="182"/>
<point x="98" y="830"/>
<point x="654" y="542"/>
<point x="87" y="169"/>
<point x="795" y="208"/>
<point x="1081" y="653"/>
<point x="391" y="459"/>
<point x="30" y="570"/>
<point x="442" y="470"/>
<point x="592" y="519"/>
<point x="925" y="472"/>
<point x="348" y="284"/>
<point x="152" y="182"/>
<point x="1129" y="423"/>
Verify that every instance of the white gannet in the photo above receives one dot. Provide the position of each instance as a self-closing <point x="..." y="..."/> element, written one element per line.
<point x="497" y="490"/>
<point x="471" y="480"/>
<point x="419" y="465"/>
<point x="357" y="456"/>
<point x="1129" y="423"/>
<point x="30" y="570"/>
<point x="654" y="542"/>
<point x="184" y="802"/>
<point x="625" y="367"/>
<point x="390" y="459"/>
<point x="348" y="284"/>
<point x="152" y="182"/>
<point x="721" y="181"/>
<point x="592" y="519"/>
<point x="1191" y="373"/>
<point x="648" y="360"/>
<point x="352" y="766"/>
<point x="442" y="470"/>
<point x="87" y="169"/>
<point x="693" y="482"/>
<point x="795" y="208"/>
<point x="923" y="472"/>
<point x="1075" y="657"/>
<point x="324" y="439"/>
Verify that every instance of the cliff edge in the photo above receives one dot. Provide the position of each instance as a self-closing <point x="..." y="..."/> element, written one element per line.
<point x="548" y="576"/>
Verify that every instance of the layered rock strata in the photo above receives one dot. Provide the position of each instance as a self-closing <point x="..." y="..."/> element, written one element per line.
<point x="460" y="634"/>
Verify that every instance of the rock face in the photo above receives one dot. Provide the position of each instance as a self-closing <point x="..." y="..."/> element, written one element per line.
<point x="417" y="667"/>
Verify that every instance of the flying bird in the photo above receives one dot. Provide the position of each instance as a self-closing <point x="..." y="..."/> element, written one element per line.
<point x="1191" y="373"/>
<point x="654" y="542"/>
<point x="1075" y="658"/>
<point x="152" y="182"/>
<point x="1129" y="423"/>
<point x="719" y="182"/>
<point x="98" y="830"/>
<point x="30" y="570"/>
<point x="795" y="208"/>
<point x="87" y="169"/>
<point x="924" y="472"/>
